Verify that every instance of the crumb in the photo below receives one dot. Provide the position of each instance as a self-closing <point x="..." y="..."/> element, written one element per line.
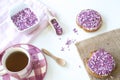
<point x="62" y="49"/>
<point x="59" y="38"/>
<point x="68" y="49"/>
<point x="79" y="66"/>
<point x="74" y="41"/>
<point x="111" y="77"/>
<point x="67" y="45"/>
<point x="75" y="31"/>
<point x="68" y="42"/>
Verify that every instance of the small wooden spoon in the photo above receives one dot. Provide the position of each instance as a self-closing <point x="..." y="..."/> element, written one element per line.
<point x="57" y="59"/>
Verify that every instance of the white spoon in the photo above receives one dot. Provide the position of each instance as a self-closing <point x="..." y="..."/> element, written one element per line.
<point x="60" y="61"/>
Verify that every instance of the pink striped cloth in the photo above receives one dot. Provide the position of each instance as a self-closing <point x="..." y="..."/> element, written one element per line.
<point x="9" y="35"/>
<point x="38" y="61"/>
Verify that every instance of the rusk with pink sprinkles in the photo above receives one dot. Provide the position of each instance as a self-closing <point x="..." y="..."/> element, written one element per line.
<point x="101" y="63"/>
<point x="89" y="20"/>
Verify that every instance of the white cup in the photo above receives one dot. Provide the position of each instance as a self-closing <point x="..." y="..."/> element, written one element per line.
<point x="17" y="62"/>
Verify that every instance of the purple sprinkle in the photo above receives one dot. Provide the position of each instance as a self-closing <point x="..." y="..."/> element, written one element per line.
<point x="75" y="30"/>
<point x="79" y="66"/>
<point x="68" y="49"/>
<point x="74" y="41"/>
<point x="24" y="19"/>
<point x="62" y="49"/>
<point x="59" y="38"/>
<point x="68" y="42"/>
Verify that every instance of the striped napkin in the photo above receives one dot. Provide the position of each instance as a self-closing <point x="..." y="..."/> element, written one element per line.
<point x="9" y="35"/>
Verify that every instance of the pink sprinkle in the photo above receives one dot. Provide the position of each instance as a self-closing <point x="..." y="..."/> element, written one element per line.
<point x="74" y="41"/>
<point x="59" y="38"/>
<point x="75" y="30"/>
<point x="68" y="42"/>
<point x="68" y="49"/>
<point x="62" y="49"/>
<point x="79" y="66"/>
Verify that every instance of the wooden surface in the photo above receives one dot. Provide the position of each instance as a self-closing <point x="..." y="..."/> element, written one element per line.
<point x="110" y="41"/>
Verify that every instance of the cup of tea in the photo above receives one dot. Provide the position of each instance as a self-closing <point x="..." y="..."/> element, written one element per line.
<point x="17" y="62"/>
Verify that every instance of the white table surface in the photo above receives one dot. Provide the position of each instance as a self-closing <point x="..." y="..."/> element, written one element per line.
<point x="66" y="11"/>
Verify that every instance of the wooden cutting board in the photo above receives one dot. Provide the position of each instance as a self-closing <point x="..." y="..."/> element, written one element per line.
<point x="110" y="41"/>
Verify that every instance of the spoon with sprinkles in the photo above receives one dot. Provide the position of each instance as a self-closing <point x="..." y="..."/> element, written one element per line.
<point x="60" y="61"/>
<point x="53" y="21"/>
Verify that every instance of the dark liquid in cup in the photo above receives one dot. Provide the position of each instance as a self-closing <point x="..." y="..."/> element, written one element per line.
<point x="16" y="61"/>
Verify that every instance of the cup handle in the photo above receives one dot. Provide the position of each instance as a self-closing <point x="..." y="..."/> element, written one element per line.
<point x="2" y="70"/>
